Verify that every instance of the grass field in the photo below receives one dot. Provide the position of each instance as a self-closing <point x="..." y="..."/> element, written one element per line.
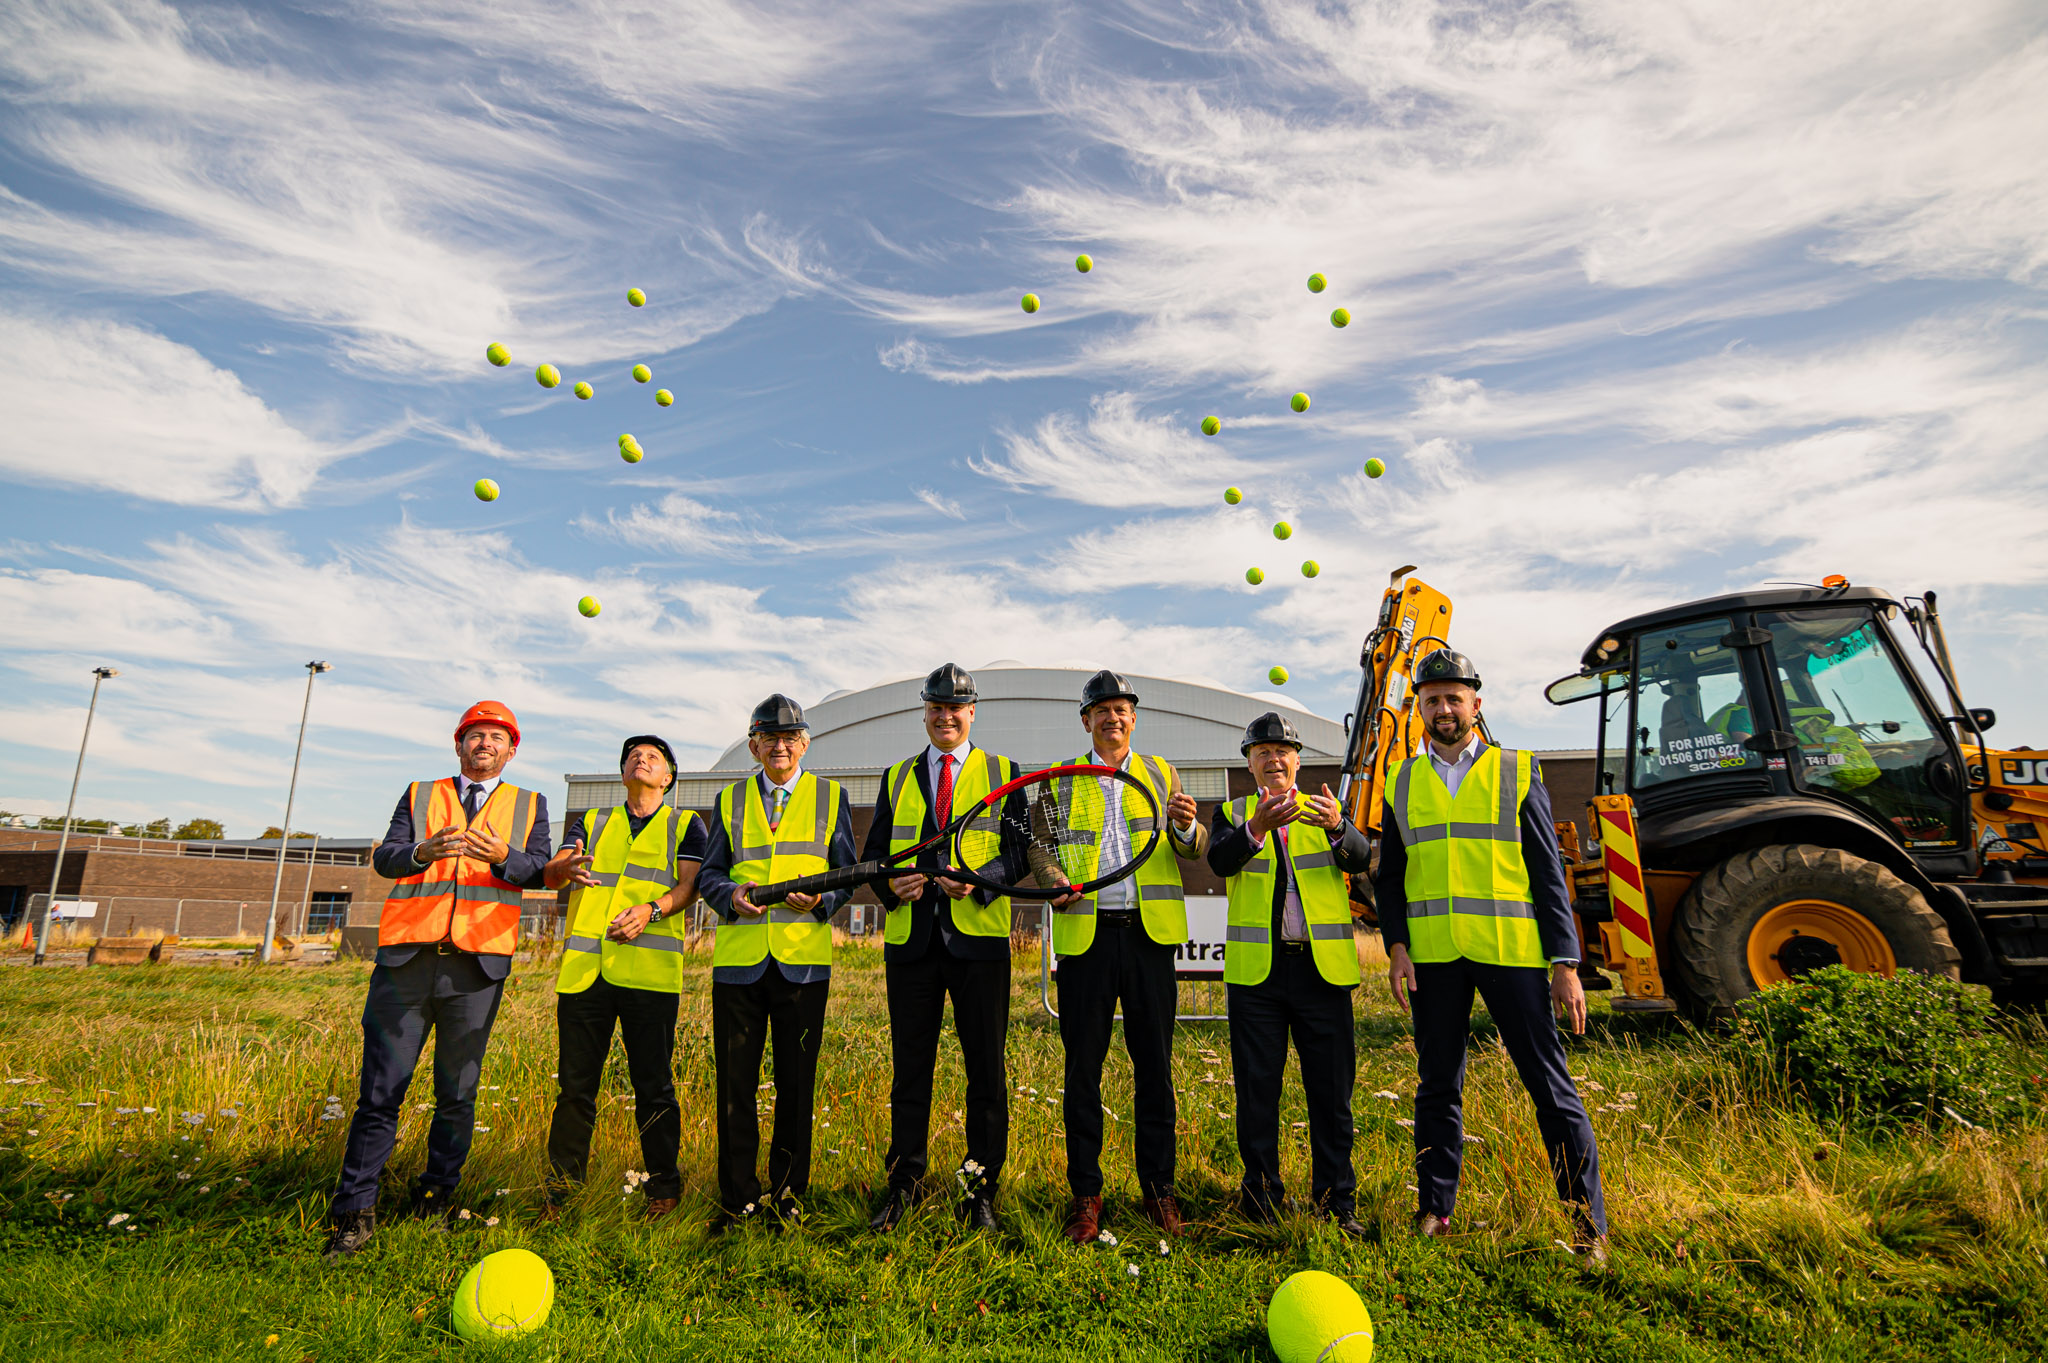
<point x="1741" y="1228"/>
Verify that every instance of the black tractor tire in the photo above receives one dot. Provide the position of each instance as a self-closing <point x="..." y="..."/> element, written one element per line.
<point x="1713" y="923"/>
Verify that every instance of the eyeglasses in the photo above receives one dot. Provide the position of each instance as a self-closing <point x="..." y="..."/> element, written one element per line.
<point x="782" y="740"/>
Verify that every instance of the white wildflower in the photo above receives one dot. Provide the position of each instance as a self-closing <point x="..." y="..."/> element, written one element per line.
<point x="206" y="1187"/>
<point x="491" y="1221"/>
<point x="1106" y="1238"/>
<point x="504" y="1192"/>
<point x="1404" y="1121"/>
<point x="482" y="1128"/>
<point x="1389" y="1095"/>
<point x="1475" y="1140"/>
<point x="1163" y="1250"/>
<point x="87" y="1102"/>
<point x="464" y="1213"/>
<point x="1131" y="1269"/>
<point x="117" y="1218"/>
<point x="125" y="1111"/>
<point x="147" y="1111"/>
<point x="192" y="1118"/>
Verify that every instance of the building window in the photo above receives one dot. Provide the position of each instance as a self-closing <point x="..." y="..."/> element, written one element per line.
<point x="1206" y="783"/>
<point x="327" y="912"/>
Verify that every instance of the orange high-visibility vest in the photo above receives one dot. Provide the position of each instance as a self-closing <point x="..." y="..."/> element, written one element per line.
<point x="457" y="899"/>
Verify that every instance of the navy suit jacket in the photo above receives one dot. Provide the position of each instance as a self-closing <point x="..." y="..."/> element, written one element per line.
<point x="522" y="866"/>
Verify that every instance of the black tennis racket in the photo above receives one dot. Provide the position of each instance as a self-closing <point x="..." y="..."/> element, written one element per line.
<point x="1054" y="834"/>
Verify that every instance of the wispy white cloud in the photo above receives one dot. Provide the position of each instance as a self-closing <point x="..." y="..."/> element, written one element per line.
<point x="1122" y="457"/>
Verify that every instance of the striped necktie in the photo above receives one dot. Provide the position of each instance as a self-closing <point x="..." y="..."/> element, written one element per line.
<point x="942" y="803"/>
<point x="776" y="807"/>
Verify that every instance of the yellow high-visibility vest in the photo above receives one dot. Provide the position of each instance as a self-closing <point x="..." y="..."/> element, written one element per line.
<point x="1162" y="903"/>
<point x="802" y="846"/>
<point x="979" y="774"/>
<point x="629" y="870"/>
<point x="1467" y="885"/>
<point x="1325" y="903"/>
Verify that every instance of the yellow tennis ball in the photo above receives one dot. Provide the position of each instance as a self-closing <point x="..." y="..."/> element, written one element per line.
<point x="1255" y="575"/>
<point x="547" y="376"/>
<point x="1299" y="402"/>
<point x="1031" y="302"/>
<point x="583" y="390"/>
<point x="1374" y="468"/>
<point x="486" y="490"/>
<point x="1310" y="568"/>
<point x="1316" y="283"/>
<point x="641" y="373"/>
<point x="1340" y="318"/>
<point x="1282" y="530"/>
<point x="1278" y="676"/>
<point x="497" y="354"/>
<point x="663" y="397"/>
<point x="1315" y="1317"/>
<point x="1232" y="496"/>
<point x="635" y="297"/>
<point x="1084" y="263"/>
<point x="589" y="606"/>
<point x="632" y="454"/>
<point x="627" y="438"/>
<point x="1211" y="425"/>
<point x="509" y="1293"/>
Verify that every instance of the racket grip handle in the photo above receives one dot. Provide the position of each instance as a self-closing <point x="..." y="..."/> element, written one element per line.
<point x="824" y="882"/>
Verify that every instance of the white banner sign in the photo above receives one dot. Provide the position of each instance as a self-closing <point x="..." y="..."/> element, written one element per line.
<point x="1201" y="956"/>
<point x="76" y="908"/>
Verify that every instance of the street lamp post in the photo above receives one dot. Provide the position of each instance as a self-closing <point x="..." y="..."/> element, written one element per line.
<point x="99" y="674"/>
<point x="270" y="925"/>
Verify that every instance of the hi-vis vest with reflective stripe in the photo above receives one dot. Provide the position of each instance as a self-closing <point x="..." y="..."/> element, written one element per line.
<point x="1467" y="885"/>
<point x="980" y="845"/>
<point x="629" y="871"/>
<point x="1325" y="903"/>
<point x="802" y="846"/>
<point x="1162" y="903"/>
<point x="457" y="899"/>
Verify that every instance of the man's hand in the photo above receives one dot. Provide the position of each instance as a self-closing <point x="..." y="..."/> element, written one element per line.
<point x="485" y="846"/>
<point x="908" y="888"/>
<point x="954" y="888"/>
<point x="803" y="903"/>
<point x="1180" y="809"/>
<point x="1271" y="812"/>
<point x="630" y="923"/>
<point x="743" y="906"/>
<point x="1324" y="811"/>
<point x="442" y="845"/>
<point x="1401" y="976"/>
<point x="1568" y="997"/>
<point x="570" y="866"/>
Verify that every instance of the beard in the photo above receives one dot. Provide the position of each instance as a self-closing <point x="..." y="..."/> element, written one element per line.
<point x="1460" y="729"/>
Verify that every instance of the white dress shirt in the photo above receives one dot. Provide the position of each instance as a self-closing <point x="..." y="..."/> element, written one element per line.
<point x="1293" y="918"/>
<point x="463" y="783"/>
<point x="931" y="771"/>
<point x="1454" y="771"/>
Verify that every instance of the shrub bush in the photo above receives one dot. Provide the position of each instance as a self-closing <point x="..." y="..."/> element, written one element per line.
<point x="1913" y="1049"/>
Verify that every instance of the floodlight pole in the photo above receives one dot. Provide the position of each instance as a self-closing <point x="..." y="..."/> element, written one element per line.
<point x="313" y="670"/>
<point x="99" y="674"/>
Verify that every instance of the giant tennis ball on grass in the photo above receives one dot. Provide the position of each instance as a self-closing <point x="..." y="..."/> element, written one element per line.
<point x="497" y="354"/>
<point x="1315" y="1317"/>
<point x="589" y="607"/>
<point x="1299" y="402"/>
<point x="509" y="1293"/>
<point x="547" y="376"/>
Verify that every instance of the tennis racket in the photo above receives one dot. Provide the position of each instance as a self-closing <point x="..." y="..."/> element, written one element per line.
<point x="1049" y="828"/>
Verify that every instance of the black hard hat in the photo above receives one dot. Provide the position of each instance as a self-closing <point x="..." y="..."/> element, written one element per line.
<point x="1446" y="665"/>
<point x="652" y="741"/>
<point x="777" y="714"/>
<point x="1106" y="685"/>
<point x="1271" y="727"/>
<point x="952" y="684"/>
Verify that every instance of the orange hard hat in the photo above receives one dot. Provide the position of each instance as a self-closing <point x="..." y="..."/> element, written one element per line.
<point x="488" y="712"/>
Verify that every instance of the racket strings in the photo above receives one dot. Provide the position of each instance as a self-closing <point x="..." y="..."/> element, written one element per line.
<point x="1063" y="844"/>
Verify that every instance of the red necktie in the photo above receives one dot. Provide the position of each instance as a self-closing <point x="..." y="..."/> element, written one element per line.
<point x="942" y="804"/>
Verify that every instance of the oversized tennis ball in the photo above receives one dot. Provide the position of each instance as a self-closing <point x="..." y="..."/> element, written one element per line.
<point x="1232" y="496"/>
<point x="1316" y="283"/>
<point x="635" y="297"/>
<point x="1255" y="575"/>
<point x="497" y="354"/>
<point x="664" y="398"/>
<point x="588" y="605"/>
<point x="509" y="1293"/>
<point x="1211" y="425"/>
<point x="641" y="373"/>
<point x="1031" y="302"/>
<point x="1282" y="530"/>
<point x="1299" y="402"/>
<point x="1309" y="568"/>
<point x="1374" y="468"/>
<point x="1084" y="263"/>
<point x="632" y="454"/>
<point x="583" y="390"/>
<point x="486" y="490"/>
<point x="1340" y="318"/>
<point x="547" y="376"/>
<point x="1315" y="1317"/>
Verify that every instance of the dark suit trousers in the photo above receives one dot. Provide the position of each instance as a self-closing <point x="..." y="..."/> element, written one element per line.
<point x="1122" y="963"/>
<point x="743" y="1016"/>
<point x="1518" y="997"/>
<point x="646" y="1022"/>
<point x="981" y="1016"/>
<point x="1294" y="999"/>
<point x="452" y="997"/>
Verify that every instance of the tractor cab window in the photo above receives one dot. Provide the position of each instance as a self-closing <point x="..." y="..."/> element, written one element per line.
<point x="1691" y="709"/>
<point x="1861" y="732"/>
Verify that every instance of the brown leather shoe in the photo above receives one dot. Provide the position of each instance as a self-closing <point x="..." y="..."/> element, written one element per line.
<point x="658" y="1207"/>
<point x="1165" y="1213"/>
<point x="1084" y="1220"/>
<point x="1428" y="1225"/>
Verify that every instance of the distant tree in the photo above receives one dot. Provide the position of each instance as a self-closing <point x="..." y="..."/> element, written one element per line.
<point x="208" y="829"/>
<point x="55" y="824"/>
<point x="305" y="835"/>
<point x="155" y="828"/>
<point x="275" y="832"/>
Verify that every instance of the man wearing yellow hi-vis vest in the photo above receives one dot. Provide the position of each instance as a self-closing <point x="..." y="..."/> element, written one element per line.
<point x="1472" y="896"/>
<point x="634" y="869"/>
<point x="1120" y="946"/>
<point x="771" y="966"/>
<point x="1290" y="962"/>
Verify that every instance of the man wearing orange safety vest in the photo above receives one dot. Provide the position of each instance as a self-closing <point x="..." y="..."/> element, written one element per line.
<point x="459" y="851"/>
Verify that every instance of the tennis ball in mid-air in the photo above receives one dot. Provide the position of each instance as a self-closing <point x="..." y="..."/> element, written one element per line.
<point x="1316" y="283"/>
<point x="1278" y="676"/>
<point x="663" y="397"/>
<point x="509" y="1293"/>
<point x="1084" y="263"/>
<point x="641" y="373"/>
<point x="589" y="607"/>
<point x="635" y="297"/>
<point x="1316" y="1317"/>
<point x="1309" y="568"/>
<point x="1341" y="318"/>
<point x="583" y="390"/>
<point x="486" y="490"/>
<point x="1255" y="575"/>
<point x="1232" y="496"/>
<point x="547" y="376"/>
<point x="1299" y="402"/>
<point x="1031" y="302"/>
<point x="626" y="438"/>
<point x="1211" y="425"/>
<point x="1282" y="530"/>
<point x="497" y="354"/>
<point x="632" y="454"/>
<point x="1374" y="468"/>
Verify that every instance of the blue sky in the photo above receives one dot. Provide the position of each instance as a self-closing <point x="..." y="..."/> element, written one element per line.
<point x="1650" y="301"/>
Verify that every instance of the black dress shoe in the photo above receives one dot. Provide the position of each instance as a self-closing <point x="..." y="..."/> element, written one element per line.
<point x="978" y="1210"/>
<point x="894" y="1208"/>
<point x="431" y="1203"/>
<point x="352" y="1230"/>
<point x="1346" y="1220"/>
<point x="788" y="1212"/>
<point x="1259" y="1211"/>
